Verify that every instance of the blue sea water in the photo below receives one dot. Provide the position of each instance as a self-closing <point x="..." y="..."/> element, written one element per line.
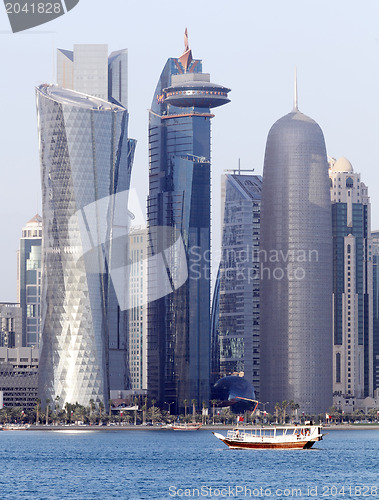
<point x="137" y="465"/>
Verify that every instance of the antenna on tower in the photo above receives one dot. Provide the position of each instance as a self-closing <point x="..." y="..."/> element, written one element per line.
<point x="295" y="103"/>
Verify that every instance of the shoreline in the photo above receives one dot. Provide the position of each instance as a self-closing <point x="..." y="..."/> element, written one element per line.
<point x="99" y="428"/>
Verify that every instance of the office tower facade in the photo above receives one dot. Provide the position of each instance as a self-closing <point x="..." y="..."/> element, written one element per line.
<point x="296" y="267"/>
<point x="88" y="70"/>
<point x="86" y="160"/>
<point x="11" y="325"/>
<point x="138" y="309"/>
<point x="29" y="269"/>
<point x="352" y="283"/>
<point x="215" y="338"/>
<point x="19" y="376"/>
<point x="375" y="307"/>
<point x="238" y="321"/>
<point x="179" y="199"/>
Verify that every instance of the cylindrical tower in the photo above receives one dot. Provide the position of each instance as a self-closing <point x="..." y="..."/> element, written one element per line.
<point x="296" y="267"/>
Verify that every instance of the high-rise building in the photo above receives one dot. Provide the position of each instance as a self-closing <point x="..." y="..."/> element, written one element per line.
<point x="10" y="325"/>
<point x="352" y="283"/>
<point x="179" y="198"/>
<point x="375" y="309"/>
<point x="215" y="338"/>
<point x="19" y="376"/>
<point x="86" y="160"/>
<point x="296" y="267"/>
<point x="89" y="70"/>
<point x="29" y="281"/>
<point x="238" y="320"/>
<point x="138" y="309"/>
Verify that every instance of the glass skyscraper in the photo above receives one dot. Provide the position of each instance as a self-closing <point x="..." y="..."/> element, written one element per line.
<point x="352" y="283"/>
<point x="296" y="267"/>
<point x="375" y="310"/>
<point x="29" y="270"/>
<point x="238" y="282"/>
<point x="179" y="199"/>
<point x="86" y="160"/>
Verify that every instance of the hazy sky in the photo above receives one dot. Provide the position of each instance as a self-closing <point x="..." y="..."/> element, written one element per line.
<point x="249" y="46"/>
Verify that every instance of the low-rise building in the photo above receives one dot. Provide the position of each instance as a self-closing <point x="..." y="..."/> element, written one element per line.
<point x="19" y="376"/>
<point x="10" y="325"/>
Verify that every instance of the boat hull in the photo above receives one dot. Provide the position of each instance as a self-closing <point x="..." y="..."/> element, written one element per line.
<point x="269" y="446"/>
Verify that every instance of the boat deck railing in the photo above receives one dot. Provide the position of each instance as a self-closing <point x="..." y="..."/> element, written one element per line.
<point x="290" y="433"/>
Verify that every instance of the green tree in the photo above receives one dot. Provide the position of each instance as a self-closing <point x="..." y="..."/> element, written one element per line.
<point x="213" y="402"/>
<point x="227" y="415"/>
<point x="38" y="410"/>
<point x="194" y="403"/>
<point x="185" y="402"/>
<point x="284" y="407"/>
<point x="47" y="410"/>
<point x="92" y="407"/>
<point x="277" y="409"/>
<point x="154" y="414"/>
<point x="144" y="409"/>
<point x="135" y="410"/>
<point x="294" y="406"/>
<point x="203" y="413"/>
<point x="101" y="410"/>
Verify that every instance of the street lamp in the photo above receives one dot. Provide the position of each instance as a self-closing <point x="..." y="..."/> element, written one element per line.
<point x="169" y="406"/>
<point x="264" y="411"/>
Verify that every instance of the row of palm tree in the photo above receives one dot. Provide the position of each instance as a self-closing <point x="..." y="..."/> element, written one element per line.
<point x="281" y="411"/>
<point x="94" y="413"/>
<point x="55" y="413"/>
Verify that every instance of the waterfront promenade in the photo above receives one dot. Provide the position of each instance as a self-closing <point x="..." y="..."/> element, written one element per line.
<point x="341" y="427"/>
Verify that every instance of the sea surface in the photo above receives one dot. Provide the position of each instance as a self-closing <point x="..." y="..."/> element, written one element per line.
<point x="89" y="465"/>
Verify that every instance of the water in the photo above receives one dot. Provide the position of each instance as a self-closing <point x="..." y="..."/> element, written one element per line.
<point x="164" y="464"/>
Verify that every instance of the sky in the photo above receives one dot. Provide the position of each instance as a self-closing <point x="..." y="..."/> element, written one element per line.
<point x="250" y="46"/>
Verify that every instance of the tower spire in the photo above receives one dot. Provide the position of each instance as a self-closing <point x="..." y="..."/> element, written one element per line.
<point x="295" y="103"/>
<point x="186" y="57"/>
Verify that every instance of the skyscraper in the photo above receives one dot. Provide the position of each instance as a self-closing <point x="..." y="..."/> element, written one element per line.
<point x="86" y="160"/>
<point x="29" y="281"/>
<point x="296" y="267"/>
<point x="89" y="70"/>
<point x="138" y="309"/>
<point x="10" y="325"/>
<point x="375" y="312"/>
<point x="352" y="283"/>
<point x="238" y="320"/>
<point x="179" y="198"/>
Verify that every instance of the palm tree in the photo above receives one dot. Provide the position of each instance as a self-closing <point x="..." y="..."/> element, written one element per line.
<point x="110" y="408"/>
<point x="214" y="402"/>
<point x="226" y="415"/>
<point x="101" y="408"/>
<point x="294" y="406"/>
<point x="144" y="408"/>
<point x="47" y="411"/>
<point x="284" y="406"/>
<point x="194" y="403"/>
<point x="135" y="410"/>
<point x="38" y="409"/>
<point x="153" y="401"/>
<point x="185" y="402"/>
<point x="277" y="408"/>
<point x="203" y="413"/>
<point x="91" y="409"/>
